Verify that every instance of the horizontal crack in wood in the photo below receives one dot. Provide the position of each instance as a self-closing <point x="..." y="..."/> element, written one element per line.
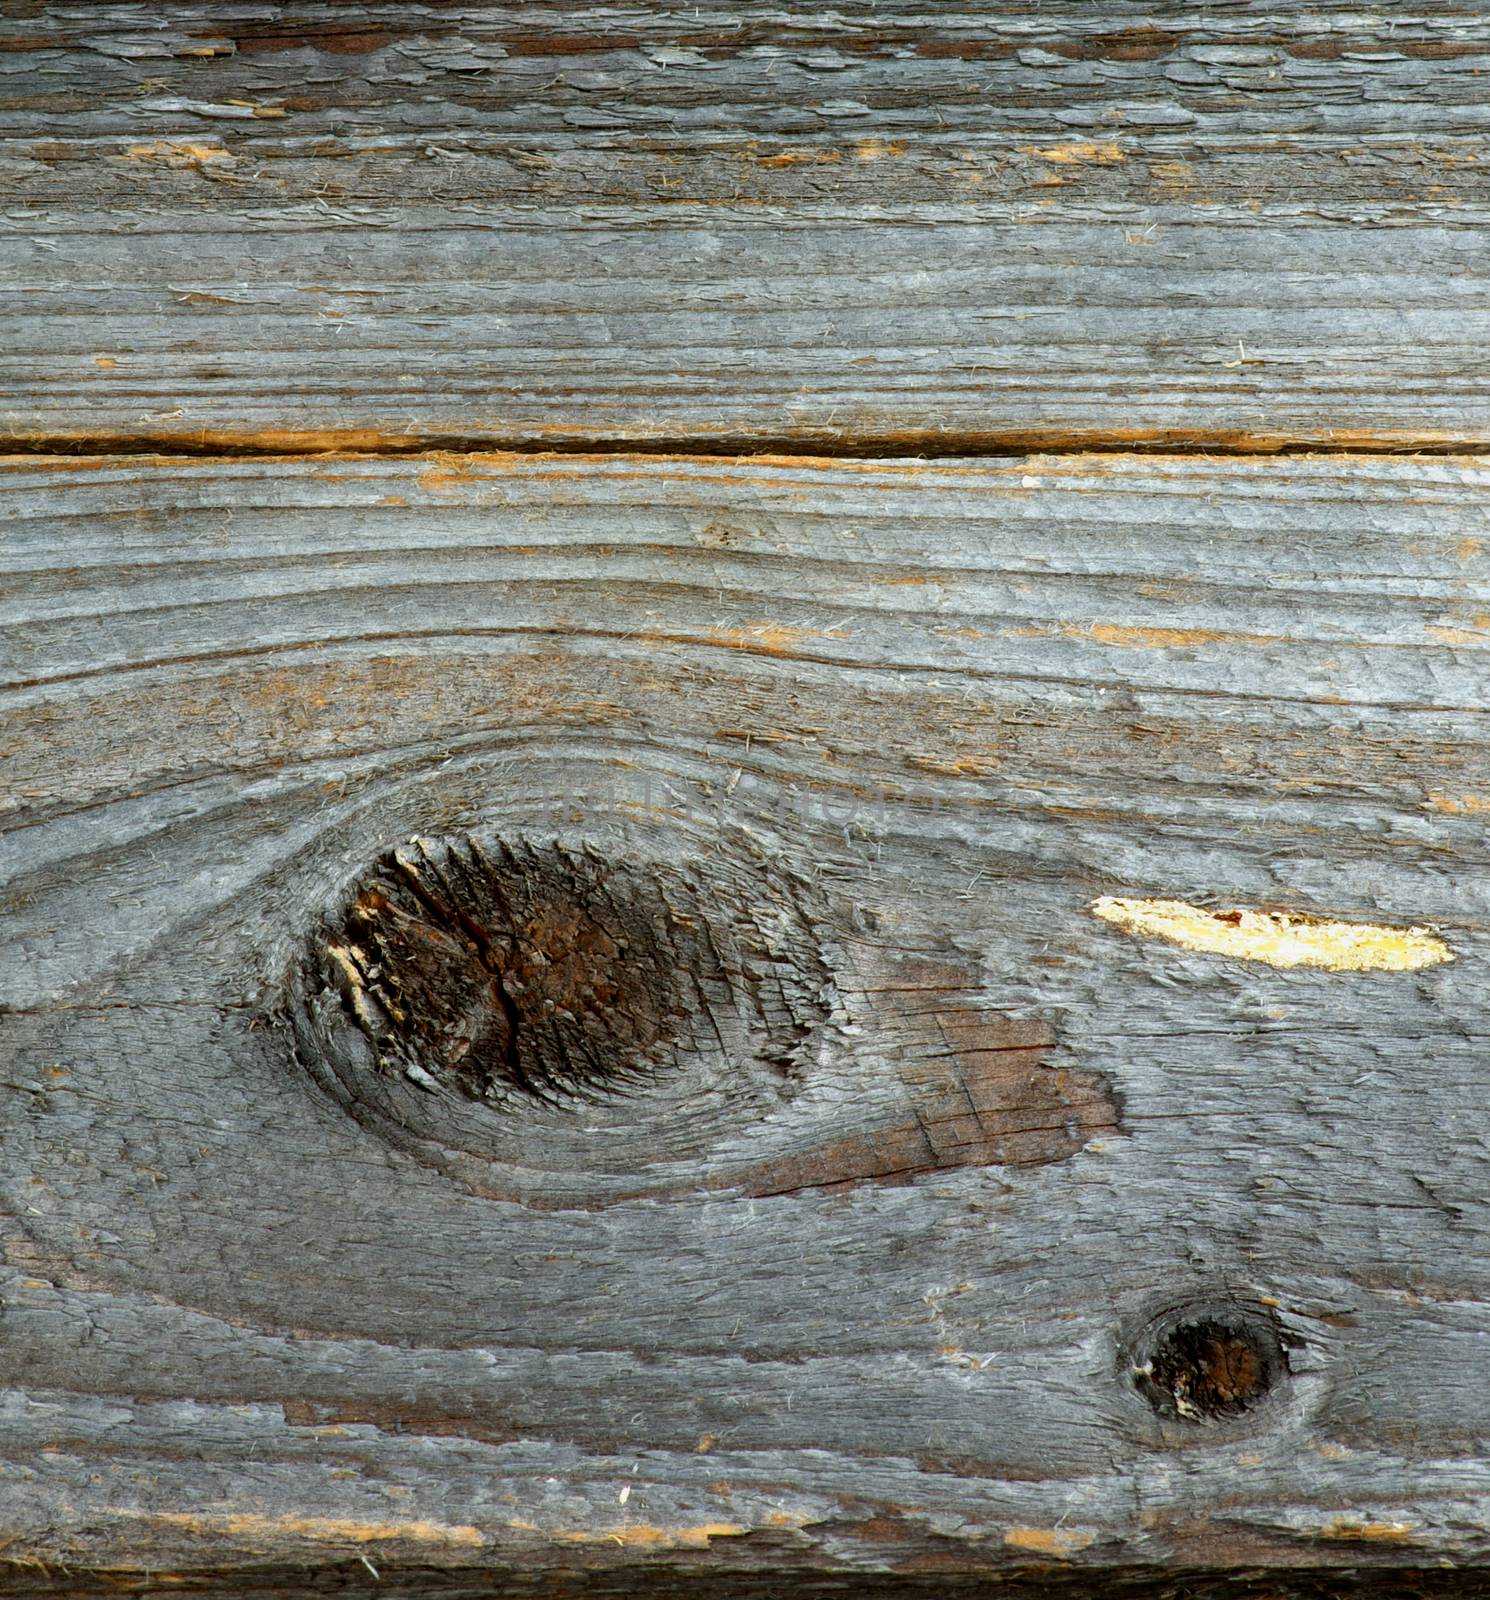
<point x="807" y="444"/>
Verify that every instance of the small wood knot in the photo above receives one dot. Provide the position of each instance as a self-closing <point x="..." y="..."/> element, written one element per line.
<point x="1209" y="1363"/>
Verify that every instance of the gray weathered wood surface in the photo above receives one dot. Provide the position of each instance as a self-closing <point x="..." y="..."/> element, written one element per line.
<point x="950" y="704"/>
<point x="936" y="229"/>
<point x="889" y="1159"/>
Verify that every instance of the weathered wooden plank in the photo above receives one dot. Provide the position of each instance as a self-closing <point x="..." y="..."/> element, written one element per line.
<point x="854" y="747"/>
<point x="942" y="231"/>
<point x="778" y="332"/>
<point x="585" y="103"/>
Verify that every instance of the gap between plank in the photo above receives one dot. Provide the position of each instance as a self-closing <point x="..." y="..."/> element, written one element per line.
<point x="923" y="444"/>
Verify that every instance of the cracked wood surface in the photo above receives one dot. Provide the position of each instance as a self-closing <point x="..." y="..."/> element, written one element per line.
<point x="886" y="730"/>
<point x="868" y="232"/>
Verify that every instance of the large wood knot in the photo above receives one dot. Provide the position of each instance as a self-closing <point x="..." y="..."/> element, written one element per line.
<point x="543" y="1019"/>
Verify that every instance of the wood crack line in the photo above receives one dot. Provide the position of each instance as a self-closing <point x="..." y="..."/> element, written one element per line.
<point x="808" y="445"/>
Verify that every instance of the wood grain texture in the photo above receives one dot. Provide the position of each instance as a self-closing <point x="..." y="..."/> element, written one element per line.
<point x="553" y="1030"/>
<point x="912" y="718"/>
<point x="935" y="230"/>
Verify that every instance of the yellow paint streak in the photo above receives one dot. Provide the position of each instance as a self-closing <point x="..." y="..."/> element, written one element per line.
<point x="260" y="1528"/>
<point x="178" y="153"/>
<point x="1176" y="174"/>
<point x="767" y="639"/>
<point x="797" y="158"/>
<point x="1122" y="638"/>
<point x="1476" y="634"/>
<point x="1049" y="1541"/>
<point x="878" y="149"/>
<point x="640" y="1536"/>
<point x="954" y="766"/>
<point x="1460" y="805"/>
<point x="1382" y="1532"/>
<point x="104" y="361"/>
<point x="451" y="470"/>
<point x="1105" y="155"/>
<point x="1276" y="937"/>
